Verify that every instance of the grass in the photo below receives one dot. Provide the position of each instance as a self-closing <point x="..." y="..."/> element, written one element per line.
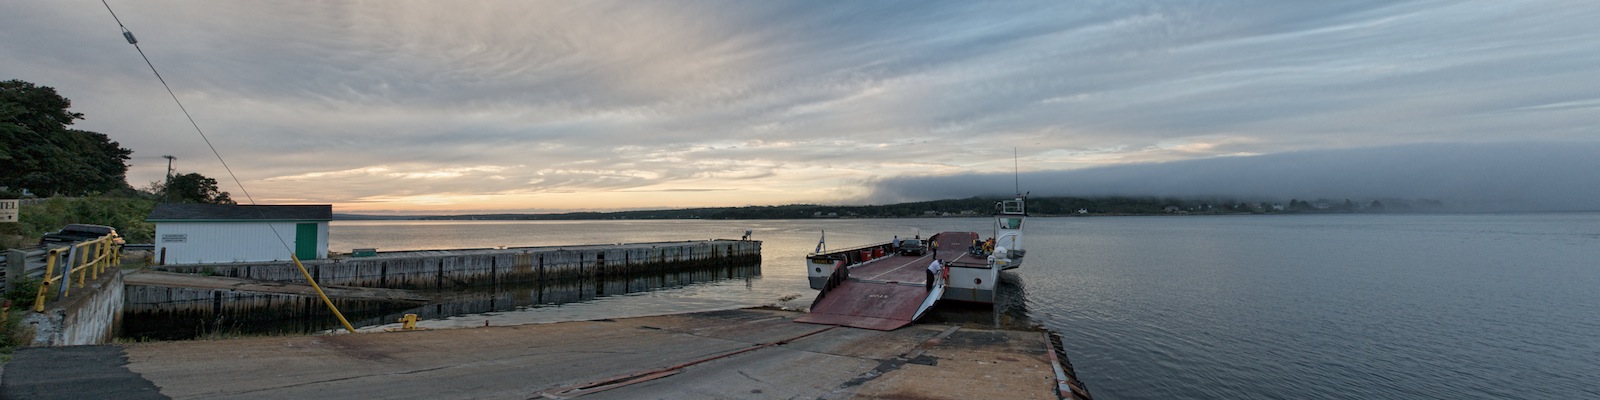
<point x="13" y="334"/>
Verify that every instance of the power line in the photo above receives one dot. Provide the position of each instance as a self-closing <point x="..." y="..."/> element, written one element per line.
<point x="127" y="34"/>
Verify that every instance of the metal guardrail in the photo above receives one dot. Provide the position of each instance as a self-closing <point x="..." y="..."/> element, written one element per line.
<point x="32" y="262"/>
<point x="87" y="259"/>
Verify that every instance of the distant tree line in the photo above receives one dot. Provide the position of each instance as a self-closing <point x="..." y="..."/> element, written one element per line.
<point x="984" y="206"/>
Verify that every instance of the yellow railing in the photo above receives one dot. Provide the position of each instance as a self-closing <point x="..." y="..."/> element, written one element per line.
<point x="84" y="259"/>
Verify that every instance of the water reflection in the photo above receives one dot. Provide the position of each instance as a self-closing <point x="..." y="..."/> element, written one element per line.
<point x="161" y="313"/>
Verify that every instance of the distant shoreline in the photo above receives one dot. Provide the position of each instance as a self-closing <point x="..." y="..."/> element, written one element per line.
<point x="983" y="207"/>
<point x="362" y="217"/>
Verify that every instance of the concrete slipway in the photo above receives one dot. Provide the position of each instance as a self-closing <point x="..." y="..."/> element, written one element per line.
<point x="737" y="354"/>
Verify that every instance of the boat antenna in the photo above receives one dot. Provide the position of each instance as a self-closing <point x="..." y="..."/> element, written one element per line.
<point x="1016" y="171"/>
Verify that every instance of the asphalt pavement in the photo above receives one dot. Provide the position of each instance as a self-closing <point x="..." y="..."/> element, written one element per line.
<point x="74" y="372"/>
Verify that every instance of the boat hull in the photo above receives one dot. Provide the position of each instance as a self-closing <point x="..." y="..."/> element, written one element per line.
<point x="972" y="283"/>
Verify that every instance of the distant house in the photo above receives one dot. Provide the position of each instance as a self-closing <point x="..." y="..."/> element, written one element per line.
<point x="1083" y="211"/>
<point x="220" y="233"/>
<point x="1277" y="207"/>
<point x="1171" y="209"/>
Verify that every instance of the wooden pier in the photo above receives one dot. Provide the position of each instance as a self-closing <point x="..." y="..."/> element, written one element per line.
<point x="174" y="280"/>
<point x="187" y="301"/>
<point x="458" y="268"/>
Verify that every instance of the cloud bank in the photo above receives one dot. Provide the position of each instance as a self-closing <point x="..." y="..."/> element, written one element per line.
<point x="1467" y="177"/>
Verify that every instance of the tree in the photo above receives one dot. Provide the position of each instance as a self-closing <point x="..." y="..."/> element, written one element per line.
<point x="44" y="156"/>
<point x="192" y="188"/>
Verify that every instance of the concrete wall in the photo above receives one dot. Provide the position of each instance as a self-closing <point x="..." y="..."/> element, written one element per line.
<point x="92" y="315"/>
<point x="447" y="269"/>
<point x="226" y="242"/>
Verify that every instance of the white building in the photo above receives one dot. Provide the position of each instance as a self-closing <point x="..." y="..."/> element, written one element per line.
<point x="220" y="233"/>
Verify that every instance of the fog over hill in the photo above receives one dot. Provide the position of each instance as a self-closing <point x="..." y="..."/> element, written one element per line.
<point x="1542" y="176"/>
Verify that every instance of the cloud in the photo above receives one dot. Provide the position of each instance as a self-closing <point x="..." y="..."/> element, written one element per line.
<point x="786" y="101"/>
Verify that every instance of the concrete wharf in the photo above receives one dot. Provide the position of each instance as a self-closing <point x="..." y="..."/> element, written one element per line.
<point x="749" y="353"/>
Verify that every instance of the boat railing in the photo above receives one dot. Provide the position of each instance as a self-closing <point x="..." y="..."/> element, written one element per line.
<point x="839" y="276"/>
<point x="853" y="255"/>
<point x="1008" y="240"/>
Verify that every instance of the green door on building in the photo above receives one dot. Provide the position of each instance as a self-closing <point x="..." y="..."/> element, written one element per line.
<point x="305" y="241"/>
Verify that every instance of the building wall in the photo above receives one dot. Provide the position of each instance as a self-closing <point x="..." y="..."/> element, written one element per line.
<point x="221" y="242"/>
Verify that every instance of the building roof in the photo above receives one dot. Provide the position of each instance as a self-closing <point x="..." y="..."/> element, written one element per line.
<point x="229" y="212"/>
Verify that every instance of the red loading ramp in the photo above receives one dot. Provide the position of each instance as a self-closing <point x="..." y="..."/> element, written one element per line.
<point x="868" y="305"/>
<point x="954" y="244"/>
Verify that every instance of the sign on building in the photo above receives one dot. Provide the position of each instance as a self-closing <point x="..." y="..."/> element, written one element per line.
<point x="175" y="238"/>
<point x="10" y="210"/>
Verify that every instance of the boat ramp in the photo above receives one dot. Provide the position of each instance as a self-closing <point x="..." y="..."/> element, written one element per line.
<point x="747" y="353"/>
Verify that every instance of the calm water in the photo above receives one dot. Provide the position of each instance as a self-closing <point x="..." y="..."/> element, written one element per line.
<point x="1333" y="306"/>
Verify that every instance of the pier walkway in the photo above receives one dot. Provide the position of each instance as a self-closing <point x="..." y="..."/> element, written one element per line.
<point x="888" y="293"/>
<point x="750" y="353"/>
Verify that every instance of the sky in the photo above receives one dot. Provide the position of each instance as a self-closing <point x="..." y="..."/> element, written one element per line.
<point x="409" y="107"/>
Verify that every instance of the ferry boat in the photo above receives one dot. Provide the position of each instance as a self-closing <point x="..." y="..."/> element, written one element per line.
<point x="876" y="287"/>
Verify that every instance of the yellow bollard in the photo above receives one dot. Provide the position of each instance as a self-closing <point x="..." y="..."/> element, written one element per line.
<point x="408" y="322"/>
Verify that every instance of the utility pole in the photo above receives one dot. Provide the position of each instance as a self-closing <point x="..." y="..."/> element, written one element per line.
<point x="167" y="187"/>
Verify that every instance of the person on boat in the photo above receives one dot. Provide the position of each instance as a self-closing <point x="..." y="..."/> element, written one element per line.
<point x="934" y="270"/>
<point x="933" y="241"/>
<point x="895" y="244"/>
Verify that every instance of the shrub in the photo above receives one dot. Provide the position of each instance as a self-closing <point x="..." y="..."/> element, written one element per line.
<point x="23" y="294"/>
